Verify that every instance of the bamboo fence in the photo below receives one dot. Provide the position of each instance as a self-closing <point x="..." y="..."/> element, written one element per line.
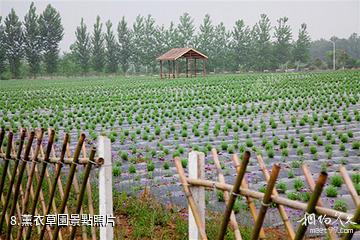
<point x="32" y="184"/>
<point x="271" y="196"/>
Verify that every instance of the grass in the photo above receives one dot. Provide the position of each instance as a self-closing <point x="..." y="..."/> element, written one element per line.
<point x="144" y="217"/>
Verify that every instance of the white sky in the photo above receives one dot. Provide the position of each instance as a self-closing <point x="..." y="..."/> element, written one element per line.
<point x="324" y="18"/>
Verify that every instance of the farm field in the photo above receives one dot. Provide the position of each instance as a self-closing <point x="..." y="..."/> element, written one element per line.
<point x="287" y="118"/>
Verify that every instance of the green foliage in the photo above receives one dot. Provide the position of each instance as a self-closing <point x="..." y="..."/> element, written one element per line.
<point x="331" y="191"/>
<point x="341" y="205"/>
<point x="336" y="181"/>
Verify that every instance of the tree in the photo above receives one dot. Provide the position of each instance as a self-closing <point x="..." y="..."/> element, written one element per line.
<point x="186" y="30"/>
<point x="124" y="38"/>
<point x="52" y="32"/>
<point x="204" y="41"/>
<point x="282" y="45"/>
<point x="240" y="45"/>
<point x="138" y="42"/>
<point x="33" y="44"/>
<point x="2" y="49"/>
<point x="262" y="44"/>
<point x="81" y="47"/>
<point x="170" y="37"/>
<point x="150" y="44"/>
<point x="97" y="50"/>
<point x="302" y="46"/>
<point x="221" y="40"/>
<point x="14" y="42"/>
<point x="111" y="49"/>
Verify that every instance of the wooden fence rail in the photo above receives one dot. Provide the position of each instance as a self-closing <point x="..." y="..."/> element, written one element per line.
<point x="240" y="188"/>
<point x="32" y="197"/>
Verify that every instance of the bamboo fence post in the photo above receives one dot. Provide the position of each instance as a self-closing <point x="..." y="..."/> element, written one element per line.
<point x="55" y="181"/>
<point x="18" y="183"/>
<point x="221" y="178"/>
<point x="83" y="188"/>
<point x="6" y="161"/>
<point x="311" y="183"/>
<point x="276" y="199"/>
<point x="249" y="200"/>
<point x="289" y="229"/>
<point x="190" y="198"/>
<point x="349" y="185"/>
<point x="105" y="186"/>
<point x="265" y="203"/>
<point x="196" y="168"/>
<point x="312" y="203"/>
<point x="32" y="170"/>
<point x="356" y="219"/>
<point x="69" y="181"/>
<point x="12" y="180"/>
<point x="233" y="195"/>
<point x="42" y="175"/>
<point x="91" y="208"/>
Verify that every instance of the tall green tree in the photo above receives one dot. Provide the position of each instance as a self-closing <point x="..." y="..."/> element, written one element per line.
<point x="221" y="40"/>
<point x="282" y="45"/>
<point x="81" y="47"/>
<point x="138" y="42"/>
<point x="262" y="44"/>
<point x="124" y="38"/>
<point x="14" y="42"/>
<point x="111" y="49"/>
<point x="302" y="46"/>
<point x="98" y="50"/>
<point x="150" y="44"/>
<point x="186" y="30"/>
<point x="32" y="37"/>
<point x="204" y="41"/>
<point x="52" y="32"/>
<point x="2" y="48"/>
<point x="170" y="36"/>
<point x="240" y="44"/>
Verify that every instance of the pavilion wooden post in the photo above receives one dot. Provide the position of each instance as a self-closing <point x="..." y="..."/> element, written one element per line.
<point x="160" y="68"/>
<point x="187" y="67"/>
<point x="204" y="68"/>
<point x="195" y="70"/>
<point x="177" y="69"/>
<point x="190" y="65"/>
<point x="169" y="68"/>
<point x="173" y="69"/>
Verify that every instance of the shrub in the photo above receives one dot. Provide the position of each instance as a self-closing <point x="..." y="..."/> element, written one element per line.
<point x="340" y="205"/>
<point x="293" y="195"/>
<point x="220" y="196"/>
<point x="331" y="191"/>
<point x="356" y="145"/>
<point x="249" y="142"/>
<point x="150" y="166"/>
<point x="270" y="153"/>
<point x="157" y="130"/>
<point x="132" y="169"/>
<point x="336" y="181"/>
<point x="291" y="173"/>
<point x="298" y="184"/>
<point x="357" y="188"/>
<point x="356" y="178"/>
<point x="281" y="187"/>
<point x="283" y="144"/>
<point x="295" y="164"/>
<point x="344" y="138"/>
<point x="124" y="156"/>
<point x="304" y="196"/>
<point x="166" y="165"/>
<point x="116" y="170"/>
<point x="224" y="146"/>
<point x="262" y="189"/>
<point x="285" y="152"/>
<point x="184" y="162"/>
<point x="313" y="149"/>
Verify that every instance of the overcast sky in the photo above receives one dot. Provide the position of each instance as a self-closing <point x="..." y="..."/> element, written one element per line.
<point x="324" y="18"/>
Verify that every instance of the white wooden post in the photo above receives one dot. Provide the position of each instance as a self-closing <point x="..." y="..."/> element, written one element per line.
<point x="197" y="170"/>
<point x="105" y="187"/>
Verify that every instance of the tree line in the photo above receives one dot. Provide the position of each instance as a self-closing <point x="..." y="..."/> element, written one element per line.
<point x="31" y="47"/>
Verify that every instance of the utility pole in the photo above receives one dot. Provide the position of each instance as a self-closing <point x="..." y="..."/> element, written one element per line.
<point x="333" y="42"/>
